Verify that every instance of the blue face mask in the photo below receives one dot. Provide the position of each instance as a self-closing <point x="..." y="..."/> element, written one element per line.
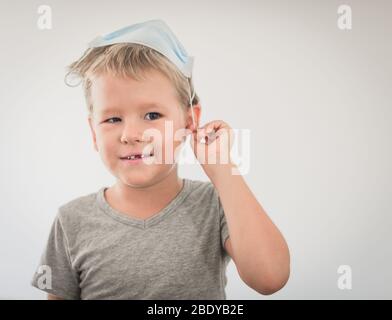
<point x="154" y="34"/>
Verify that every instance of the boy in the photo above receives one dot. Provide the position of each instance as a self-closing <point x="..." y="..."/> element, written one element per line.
<point x="153" y="235"/>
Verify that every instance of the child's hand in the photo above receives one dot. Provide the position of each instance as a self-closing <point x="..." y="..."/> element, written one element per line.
<point x="212" y="144"/>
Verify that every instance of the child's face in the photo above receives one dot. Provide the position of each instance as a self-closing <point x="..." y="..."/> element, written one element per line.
<point x="119" y="131"/>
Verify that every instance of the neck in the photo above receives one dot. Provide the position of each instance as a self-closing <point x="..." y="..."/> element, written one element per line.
<point x="150" y="199"/>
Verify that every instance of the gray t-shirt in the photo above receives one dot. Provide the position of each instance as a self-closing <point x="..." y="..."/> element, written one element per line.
<point x="96" y="252"/>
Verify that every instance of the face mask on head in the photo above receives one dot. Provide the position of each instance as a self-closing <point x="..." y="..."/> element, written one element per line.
<point x="157" y="35"/>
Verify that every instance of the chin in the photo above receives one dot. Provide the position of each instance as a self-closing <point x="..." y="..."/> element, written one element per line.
<point x="144" y="176"/>
<point x="139" y="179"/>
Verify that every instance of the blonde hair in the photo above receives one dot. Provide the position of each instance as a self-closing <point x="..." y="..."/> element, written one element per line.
<point x="131" y="60"/>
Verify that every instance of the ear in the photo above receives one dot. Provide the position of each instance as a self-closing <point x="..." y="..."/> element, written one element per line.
<point x="196" y="113"/>
<point x="91" y="124"/>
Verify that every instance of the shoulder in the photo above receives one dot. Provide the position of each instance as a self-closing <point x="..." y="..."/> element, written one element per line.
<point x="74" y="211"/>
<point x="201" y="186"/>
<point x="204" y="196"/>
<point x="203" y="189"/>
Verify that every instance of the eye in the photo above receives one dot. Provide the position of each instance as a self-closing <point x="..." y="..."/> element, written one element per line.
<point x="108" y="120"/>
<point x="155" y="115"/>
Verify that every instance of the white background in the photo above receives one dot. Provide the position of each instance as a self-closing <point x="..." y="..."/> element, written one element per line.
<point x="316" y="99"/>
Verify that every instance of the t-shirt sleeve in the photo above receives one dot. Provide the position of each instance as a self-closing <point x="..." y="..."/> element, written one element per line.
<point x="224" y="231"/>
<point x="55" y="274"/>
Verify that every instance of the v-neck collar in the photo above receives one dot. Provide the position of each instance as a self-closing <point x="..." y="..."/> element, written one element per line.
<point x="143" y="223"/>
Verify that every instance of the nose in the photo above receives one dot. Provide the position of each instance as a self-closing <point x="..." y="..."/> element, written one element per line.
<point x="132" y="132"/>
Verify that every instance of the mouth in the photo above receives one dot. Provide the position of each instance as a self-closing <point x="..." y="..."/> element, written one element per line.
<point x="137" y="156"/>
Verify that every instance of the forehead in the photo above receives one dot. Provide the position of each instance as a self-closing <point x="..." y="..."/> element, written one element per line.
<point x="109" y="92"/>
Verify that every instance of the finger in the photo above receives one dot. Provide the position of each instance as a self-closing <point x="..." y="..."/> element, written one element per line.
<point x="208" y="132"/>
<point x="214" y="125"/>
<point x="206" y="138"/>
<point x="226" y="137"/>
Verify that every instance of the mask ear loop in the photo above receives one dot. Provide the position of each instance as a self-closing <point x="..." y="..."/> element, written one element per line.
<point x="190" y="103"/>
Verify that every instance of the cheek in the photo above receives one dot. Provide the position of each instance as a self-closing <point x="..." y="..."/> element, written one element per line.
<point x="105" y="141"/>
<point x="169" y="139"/>
<point x="179" y="136"/>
